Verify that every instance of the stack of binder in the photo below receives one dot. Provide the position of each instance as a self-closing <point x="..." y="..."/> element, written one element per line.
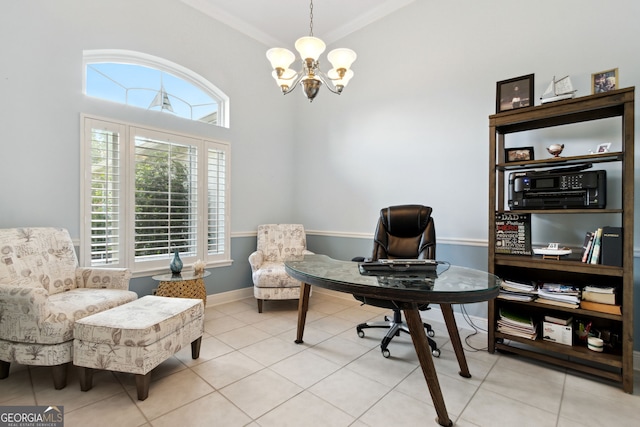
<point x="517" y="325"/>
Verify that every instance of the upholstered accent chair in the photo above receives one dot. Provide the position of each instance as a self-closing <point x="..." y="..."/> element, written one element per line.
<point x="277" y="243"/>
<point x="43" y="292"/>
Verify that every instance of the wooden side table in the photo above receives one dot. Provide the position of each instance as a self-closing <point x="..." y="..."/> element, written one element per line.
<point x="182" y="285"/>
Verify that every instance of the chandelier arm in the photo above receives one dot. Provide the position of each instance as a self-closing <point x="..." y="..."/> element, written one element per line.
<point x="328" y="82"/>
<point x="296" y="80"/>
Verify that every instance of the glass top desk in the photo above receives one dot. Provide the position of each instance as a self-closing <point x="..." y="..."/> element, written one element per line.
<point x="449" y="285"/>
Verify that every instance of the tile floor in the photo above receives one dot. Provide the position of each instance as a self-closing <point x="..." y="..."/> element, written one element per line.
<point x="250" y="373"/>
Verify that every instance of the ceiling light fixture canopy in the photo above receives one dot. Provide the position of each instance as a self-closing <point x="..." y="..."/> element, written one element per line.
<point x="310" y="48"/>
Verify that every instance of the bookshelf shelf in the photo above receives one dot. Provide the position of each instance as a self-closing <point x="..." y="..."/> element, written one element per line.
<point x="615" y="363"/>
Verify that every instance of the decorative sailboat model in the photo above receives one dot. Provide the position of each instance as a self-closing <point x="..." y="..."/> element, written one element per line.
<point x="558" y="90"/>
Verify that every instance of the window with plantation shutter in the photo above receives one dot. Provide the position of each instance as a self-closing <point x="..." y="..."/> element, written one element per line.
<point x="150" y="193"/>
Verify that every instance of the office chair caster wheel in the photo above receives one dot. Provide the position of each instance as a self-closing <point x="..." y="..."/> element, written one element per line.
<point x="361" y="334"/>
<point x="436" y="352"/>
<point x="431" y="333"/>
<point x="386" y="353"/>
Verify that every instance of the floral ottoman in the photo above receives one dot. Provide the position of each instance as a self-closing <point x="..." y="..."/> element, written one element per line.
<point x="136" y="337"/>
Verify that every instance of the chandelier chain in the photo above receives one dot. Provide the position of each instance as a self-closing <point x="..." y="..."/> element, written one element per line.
<point x="311" y="19"/>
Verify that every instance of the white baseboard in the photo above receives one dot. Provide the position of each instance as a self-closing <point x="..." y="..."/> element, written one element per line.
<point x="434" y="315"/>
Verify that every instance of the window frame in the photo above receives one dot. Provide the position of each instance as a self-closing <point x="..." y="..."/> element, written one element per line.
<point x="123" y="56"/>
<point x="126" y="226"/>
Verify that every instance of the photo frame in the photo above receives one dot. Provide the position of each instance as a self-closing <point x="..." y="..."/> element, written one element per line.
<point x="604" y="81"/>
<point x="603" y="148"/>
<point x="520" y="154"/>
<point x="514" y="93"/>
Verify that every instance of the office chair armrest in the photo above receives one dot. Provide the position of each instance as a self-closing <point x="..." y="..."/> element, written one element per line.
<point x="256" y="259"/>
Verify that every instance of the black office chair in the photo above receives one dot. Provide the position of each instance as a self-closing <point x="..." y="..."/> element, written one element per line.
<point x="403" y="232"/>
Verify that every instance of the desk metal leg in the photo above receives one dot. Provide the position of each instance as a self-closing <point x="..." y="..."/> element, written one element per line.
<point x="303" y="306"/>
<point x="450" y="320"/>
<point x="421" y="343"/>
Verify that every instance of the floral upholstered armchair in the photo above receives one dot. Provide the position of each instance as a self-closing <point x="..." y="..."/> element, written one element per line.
<point x="43" y="292"/>
<point x="277" y="243"/>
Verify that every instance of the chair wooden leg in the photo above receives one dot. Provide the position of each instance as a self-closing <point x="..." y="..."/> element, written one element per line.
<point x="60" y="375"/>
<point x="4" y="369"/>
<point x="259" y="306"/>
<point x="86" y="378"/>
<point x="195" y="348"/>
<point x="142" y="385"/>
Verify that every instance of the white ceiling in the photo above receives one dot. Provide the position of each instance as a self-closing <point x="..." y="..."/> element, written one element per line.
<point x="279" y="23"/>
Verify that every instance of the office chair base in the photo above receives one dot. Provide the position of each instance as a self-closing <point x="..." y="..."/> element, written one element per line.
<point x="395" y="327"/>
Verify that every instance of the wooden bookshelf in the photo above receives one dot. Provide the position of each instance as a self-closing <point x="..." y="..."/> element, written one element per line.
<point x="615" y="364"/>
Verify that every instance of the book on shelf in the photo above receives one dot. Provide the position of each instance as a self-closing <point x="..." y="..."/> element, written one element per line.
<point x="558" y="320"/>
<point x="517" y="291"/>
<point x="602" y="308"/>
<point x="600" y="289"/>
<point x="559" y="292"/>
<point x="586" y="246"/>
<point x="595" y="253"/>
<point x="611" y="246"/>
<point x="602" y="298"/>
<point x="542" y="300"/>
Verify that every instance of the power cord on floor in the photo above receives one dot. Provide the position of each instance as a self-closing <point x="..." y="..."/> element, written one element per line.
<point x="476" y="329"/>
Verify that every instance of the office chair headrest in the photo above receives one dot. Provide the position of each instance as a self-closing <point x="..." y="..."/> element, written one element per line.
<point x="405" y="220"/>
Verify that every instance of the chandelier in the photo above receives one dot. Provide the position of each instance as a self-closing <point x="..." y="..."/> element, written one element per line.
<point x="310" y="48"/>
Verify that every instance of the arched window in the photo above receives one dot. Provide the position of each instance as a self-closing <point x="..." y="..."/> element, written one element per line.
<point x="153" y="83"/>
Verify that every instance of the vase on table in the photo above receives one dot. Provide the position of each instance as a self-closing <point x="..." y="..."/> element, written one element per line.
<point x="176" y="263"/>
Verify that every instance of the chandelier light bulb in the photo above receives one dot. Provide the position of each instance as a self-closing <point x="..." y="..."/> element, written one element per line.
<point x="280" y="57"/>
<point x="310" y="47"/>
<point x="342" y="58"/>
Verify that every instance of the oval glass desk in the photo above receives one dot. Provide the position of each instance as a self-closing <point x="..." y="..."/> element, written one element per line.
<point x="449" y="285"/>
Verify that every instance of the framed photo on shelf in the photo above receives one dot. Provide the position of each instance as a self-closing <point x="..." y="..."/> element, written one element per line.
<point x="604" y="81"/>
<point x="518" y="154"/>
<point x="514" y="93"/>
<point x="603" y="148"/>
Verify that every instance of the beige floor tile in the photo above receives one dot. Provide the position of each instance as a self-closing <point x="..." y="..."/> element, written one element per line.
<point x="16" y="386"/>
<point x="210" y="348"/>
<point x="259" y="393"/>
<point x="397" y="409"/>
<point x="235" y="307"/>
<point x="389" y="371"/>
<point x="171" y="392"/>
<point x="242" y="337"/>
<point x="305" y="409"/>
<point x="601" y="405"/>
<point x="276" y="325"/>
<point x="494" y="410"/>
<point x="271" y="350"/>
<point x="311" y="336"/>
<point x="305" y="368"/>
<point x="210" y="410"/>
<point x="222" y="325"/>
<point x="118" y="410"/>
<point x="349" y="391"/>
<point x="457" y="392"/>
<point x="532" y="390"/>
<point x="224" y="370"/>
<point x="104" y="385"/>
<point x="339" y="350"/>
